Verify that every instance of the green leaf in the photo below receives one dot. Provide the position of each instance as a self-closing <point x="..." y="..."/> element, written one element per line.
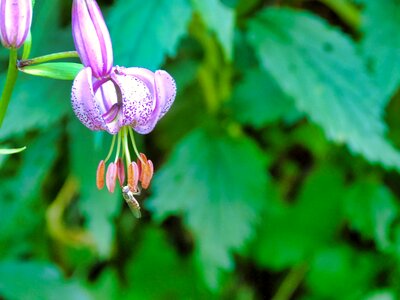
<point x="145" y="32"/>
<point x="56" y="70"/>
<point x="21" y="201"/>
<point x="289" y="235"/>
<point x="381" y="41"/>
<point x="219" y="184"/>
<point x="258" y="100"/>
<point x="35" y="104"/>
<point x="11" y="151"/>
<point x="36" y="280"/>
<point x="98" y="207"/>
<point x="107" y="286"/>
<point x="330" y="269"/>
<point x="220" y="19"/>
<point x="156" y="264"/>
<point x="46" y="16"/>
<point x="372" y="210"/>
<point x="317" y="65"/>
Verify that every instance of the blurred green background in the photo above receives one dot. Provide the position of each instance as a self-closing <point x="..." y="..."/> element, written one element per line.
<point x="277" y="168"/>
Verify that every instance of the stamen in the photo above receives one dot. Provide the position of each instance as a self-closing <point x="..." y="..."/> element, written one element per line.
<point x="133" y="176"/>
<point x="134" y="143"/>
<point x="100" y="175"/>
<point x="146" y="173"/>
<point x="111" y="176"/>
<point x="111" y="148"/>
<point x="120" y="172"/>
<point x="118" y="147"/>
<point x="126" y="146"/>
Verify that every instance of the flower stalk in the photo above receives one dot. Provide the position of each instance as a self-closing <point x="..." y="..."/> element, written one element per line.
<point x="11" y="78"/>
<point x="47" y="58"/>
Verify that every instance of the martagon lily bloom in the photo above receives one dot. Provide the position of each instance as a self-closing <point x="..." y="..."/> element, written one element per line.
<point x="116" y="99"/>
<point x="15" y="22"/>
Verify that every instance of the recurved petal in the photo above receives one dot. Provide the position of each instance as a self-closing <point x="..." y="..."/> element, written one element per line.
<point x="83" y="101"/>
<point x="166" y="91"/>
<point x="138" y="101"/>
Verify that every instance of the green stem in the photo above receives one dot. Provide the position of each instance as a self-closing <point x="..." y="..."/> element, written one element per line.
<point x="291" y="282"/>
<point x="47" y="58"/>
<point x="12" y="74"/>
<point x="346" y="11"/>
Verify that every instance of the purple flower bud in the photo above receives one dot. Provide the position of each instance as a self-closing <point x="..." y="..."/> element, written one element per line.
<point x="15" y="22"/>
<point x="91" y="37"/>
<point x="134" y="97"/>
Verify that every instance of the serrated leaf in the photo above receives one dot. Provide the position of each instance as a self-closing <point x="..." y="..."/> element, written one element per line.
<point x="317" y="65"/>
<point x="381" y="43"/>
<point x="55" y="70"/>
<point x="372" y="210"/>
<point x="220" y="19"/>
<point x="145" y="32"/>
<point x="219" y="184"/>
<point x="258" y="100"/>
<point x="291" y="234"/>
<point x="98" y="207"/>
<point x="37" y="280"/>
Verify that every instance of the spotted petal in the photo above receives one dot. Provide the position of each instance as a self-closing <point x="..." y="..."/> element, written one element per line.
<point x="90" y="109"/>
<point x="83" y="101"/>
<point x="138" y="100"/>
<point x="163" y="89"/>
<point x="166" y="91"/>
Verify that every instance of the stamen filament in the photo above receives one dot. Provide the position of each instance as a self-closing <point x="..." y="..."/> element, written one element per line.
<point x="111" y="149"/>
<point x="134" y="144"/>
<point x="128" y="156"/>
<point x="118" y="147"/>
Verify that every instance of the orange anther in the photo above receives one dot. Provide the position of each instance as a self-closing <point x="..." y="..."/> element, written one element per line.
<point x="133" y="176"/>
<point x="100" y="175"/>
<point x="147" y="174"/>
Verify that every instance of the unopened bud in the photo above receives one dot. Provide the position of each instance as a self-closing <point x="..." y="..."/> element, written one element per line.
<point x="15" y="22"/>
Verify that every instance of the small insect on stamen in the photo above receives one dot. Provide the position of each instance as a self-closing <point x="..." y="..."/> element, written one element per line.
<point x="131" y="201"/>
<point x="100" y="175"/>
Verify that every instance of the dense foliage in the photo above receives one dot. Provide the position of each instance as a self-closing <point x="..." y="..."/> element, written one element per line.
<point x="277" y="168"/>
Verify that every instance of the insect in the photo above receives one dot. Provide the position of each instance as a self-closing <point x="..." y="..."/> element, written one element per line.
<point x="132" y="202"/>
